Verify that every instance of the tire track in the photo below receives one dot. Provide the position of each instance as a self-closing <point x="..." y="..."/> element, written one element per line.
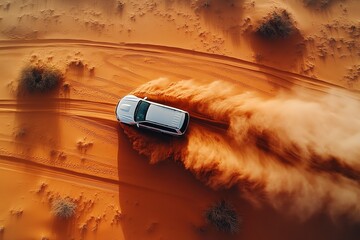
<point x="98" y="108"/>
<point x="63" y="106"/>
<point x="316" y="85"/>
<point x="107" y="174"/>
<point x="102" y="182"/>
<point x="84" y="109"/>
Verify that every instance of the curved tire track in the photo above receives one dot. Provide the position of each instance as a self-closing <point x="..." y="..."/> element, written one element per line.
<point x="102" y="112"/>
<point x="284" y="78"/>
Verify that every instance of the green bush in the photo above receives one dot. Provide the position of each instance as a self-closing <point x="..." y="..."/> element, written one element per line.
<point x="39" y="79"/>
<point x="276" y="25"/>
<point x="63" y="208"/>
<point x="224" y="217"/>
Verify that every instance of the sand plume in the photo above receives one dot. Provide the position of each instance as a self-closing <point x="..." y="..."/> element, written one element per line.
<point x="292" y="153"/>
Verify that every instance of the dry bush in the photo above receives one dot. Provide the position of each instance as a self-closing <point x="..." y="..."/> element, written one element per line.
<point x="224" y="217"/>
<point x="63" y="208"/>
<point x="317" y="3"/>
<point x="39" y="79"/>
<point x="206" y="4"/>
<point x="276" y="25"/>
<point x="353" y="73"/>
<point x="120" y="5"/>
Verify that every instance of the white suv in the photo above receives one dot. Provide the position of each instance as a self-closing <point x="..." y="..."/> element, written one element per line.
<point x="154" y="116"/>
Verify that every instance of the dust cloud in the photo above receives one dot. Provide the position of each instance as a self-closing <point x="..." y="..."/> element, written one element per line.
<point x="299" y="155"/>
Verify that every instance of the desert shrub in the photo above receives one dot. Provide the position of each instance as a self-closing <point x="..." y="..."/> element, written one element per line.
<point x="39" y="79"/>
<point x="276" y="25"/>
<point x="120" y="5"/>
<point x="224" y="217"/>
<point x="63" y="208"/>
<point x="317" y="3"/>
<point x="206" y="4"/>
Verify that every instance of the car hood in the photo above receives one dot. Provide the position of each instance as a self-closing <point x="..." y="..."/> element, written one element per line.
<point x="125" y="109"/>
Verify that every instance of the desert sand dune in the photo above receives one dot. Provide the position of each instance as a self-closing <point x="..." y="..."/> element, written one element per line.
<point x="274" y="124"/>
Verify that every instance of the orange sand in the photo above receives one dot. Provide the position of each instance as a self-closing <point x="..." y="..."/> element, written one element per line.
<point x="70" y="144"/>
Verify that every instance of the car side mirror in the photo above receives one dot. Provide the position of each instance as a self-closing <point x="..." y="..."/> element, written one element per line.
<point x="145" y="98"/>
<point x="137" y="125"/>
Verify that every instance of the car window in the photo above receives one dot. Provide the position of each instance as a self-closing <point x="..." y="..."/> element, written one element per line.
<point x="141" y="110"/>
<point x="159" y="127"/>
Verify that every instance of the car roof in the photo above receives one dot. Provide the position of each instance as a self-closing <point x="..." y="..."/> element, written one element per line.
<point x="168" y="116"/>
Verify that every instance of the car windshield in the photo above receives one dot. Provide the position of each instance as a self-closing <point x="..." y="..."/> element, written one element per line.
<point x="141" y="110"/>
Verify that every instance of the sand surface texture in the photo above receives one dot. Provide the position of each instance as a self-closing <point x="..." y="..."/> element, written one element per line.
<point x="274" y="130"/>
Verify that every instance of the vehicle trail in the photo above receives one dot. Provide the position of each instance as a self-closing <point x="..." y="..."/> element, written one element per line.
<point x="289" y="151"/>
<point x="282" y="148"/>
